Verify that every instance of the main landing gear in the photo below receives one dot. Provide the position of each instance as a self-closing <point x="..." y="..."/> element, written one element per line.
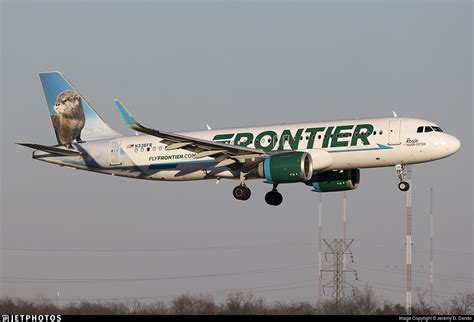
<point x="401" y="172"/>
<point x="241" y="192"/>
<point x="274" y="198"/>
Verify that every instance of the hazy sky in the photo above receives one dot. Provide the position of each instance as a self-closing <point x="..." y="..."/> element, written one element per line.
<point x="179" y="65"/>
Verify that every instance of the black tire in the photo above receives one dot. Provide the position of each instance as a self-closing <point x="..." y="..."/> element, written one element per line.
<point x="269" y="198"/>
<point x="273" y="198"/>
<point x="239" y="192"/>
<point x="404" y="186"/>
<point x="247" y="194"/>
<point x="278" y="199"/>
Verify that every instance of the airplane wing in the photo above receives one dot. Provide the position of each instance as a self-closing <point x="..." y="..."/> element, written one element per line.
<point x="51" y="149"/>
<point x="225" y="154"/>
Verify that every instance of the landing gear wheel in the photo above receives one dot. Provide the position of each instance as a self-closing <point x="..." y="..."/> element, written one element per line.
<point x="242" y="193"/>
<point x="401" y="172"/>
<point x="404" y="186"/>
<point x="273" y="198"/>
<point x="247" y="194"/>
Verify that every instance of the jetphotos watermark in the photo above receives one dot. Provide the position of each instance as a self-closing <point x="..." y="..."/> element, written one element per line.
<point x="31" y="318"/>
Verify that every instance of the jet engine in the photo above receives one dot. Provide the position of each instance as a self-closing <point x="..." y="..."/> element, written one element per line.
<point x="286" y="167"/>
<point x="335" y="180"/>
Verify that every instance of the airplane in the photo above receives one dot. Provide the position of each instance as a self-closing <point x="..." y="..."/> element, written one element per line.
<point x="326" y="156"/>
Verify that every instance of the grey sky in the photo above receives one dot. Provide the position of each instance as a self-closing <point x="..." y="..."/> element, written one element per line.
<point x="180" y="65"/>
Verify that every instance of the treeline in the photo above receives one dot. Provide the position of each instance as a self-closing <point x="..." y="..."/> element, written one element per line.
<point x="359" y="303"/>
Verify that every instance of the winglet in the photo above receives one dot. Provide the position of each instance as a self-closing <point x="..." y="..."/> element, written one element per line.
<point x="126" y="115"/>
<point x="132" y="121"/>
<point x="394" y="114"/>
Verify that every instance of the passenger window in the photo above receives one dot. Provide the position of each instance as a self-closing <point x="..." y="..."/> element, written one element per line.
<point x="380" y="132"/>
<point x="428" y="129"/>
<point x="375" y="132"/>
<point x="419" y="129"/>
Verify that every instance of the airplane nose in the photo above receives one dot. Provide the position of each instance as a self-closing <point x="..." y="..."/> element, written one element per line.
<point x="456" y="144"/>
<point x="446" y="145"/>
<point x="452" y="143"/>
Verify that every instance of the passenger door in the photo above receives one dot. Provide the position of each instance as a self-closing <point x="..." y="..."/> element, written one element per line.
<point x="115" y="156"/>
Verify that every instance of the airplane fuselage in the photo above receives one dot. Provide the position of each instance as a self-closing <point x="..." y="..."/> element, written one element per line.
<point x="324" y="155"/>
<point x="351" y="144"/>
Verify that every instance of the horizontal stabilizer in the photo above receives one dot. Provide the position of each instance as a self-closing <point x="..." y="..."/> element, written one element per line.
<point x="52" y="149"/>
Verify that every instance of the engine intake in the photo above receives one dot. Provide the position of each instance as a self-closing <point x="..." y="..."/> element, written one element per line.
<point x="287" y="167"/>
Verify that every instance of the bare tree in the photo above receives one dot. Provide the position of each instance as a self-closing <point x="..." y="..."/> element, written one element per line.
<point x="361" y="302"/>
<point x="421" y="307"/>
<point x="462" y="304"/>
<point x="365" y="302"/>
<point x="240" y="303"/>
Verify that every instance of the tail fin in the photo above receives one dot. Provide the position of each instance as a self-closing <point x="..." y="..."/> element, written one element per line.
<point x="73" y="118"/>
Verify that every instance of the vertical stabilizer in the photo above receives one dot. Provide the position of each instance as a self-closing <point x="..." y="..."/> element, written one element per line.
<point x="74" y="120"/>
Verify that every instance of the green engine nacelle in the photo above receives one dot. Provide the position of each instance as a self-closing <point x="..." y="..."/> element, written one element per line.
<point x="335" y="180"/>
<point x="287" y="167"/>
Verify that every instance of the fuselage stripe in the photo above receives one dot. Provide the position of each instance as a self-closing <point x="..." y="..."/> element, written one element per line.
<point x="380" y="147"/>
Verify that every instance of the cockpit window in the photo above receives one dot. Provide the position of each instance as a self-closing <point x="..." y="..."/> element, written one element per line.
<point x="422" y="129"/>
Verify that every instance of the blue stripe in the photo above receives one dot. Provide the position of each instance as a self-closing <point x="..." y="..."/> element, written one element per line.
<point x="174" y="165"/>
<point x="158" y="166"/>
<point x="380" y="147"/>
<point x="266" y="169"/>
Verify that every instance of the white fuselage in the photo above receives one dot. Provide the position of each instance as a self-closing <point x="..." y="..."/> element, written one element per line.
<point x="361" y="143"/>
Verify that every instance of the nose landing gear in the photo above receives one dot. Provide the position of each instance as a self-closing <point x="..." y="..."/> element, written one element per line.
<point x="404" y="186"/>
<point x="401" y="172"/>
